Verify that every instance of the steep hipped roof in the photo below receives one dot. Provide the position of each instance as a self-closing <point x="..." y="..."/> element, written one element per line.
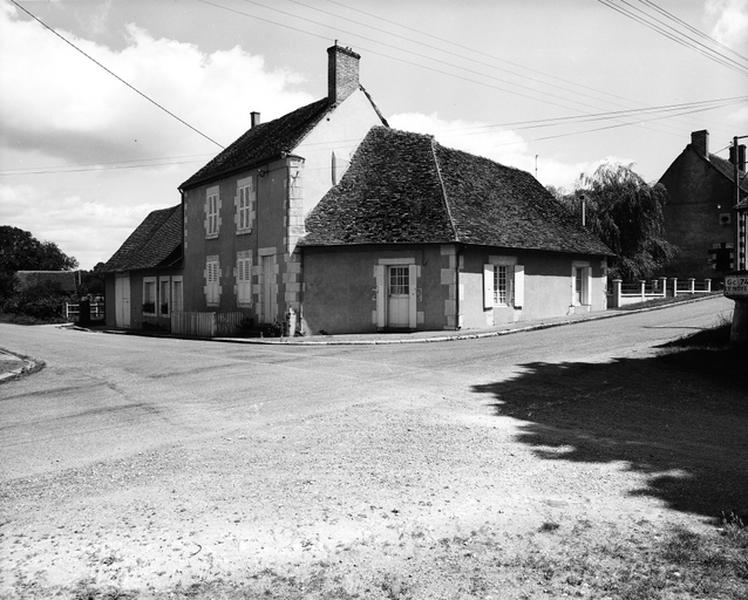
<point x="403" y="187"/>
<point x="156" y="240"/>
<point x="262" y="142"/>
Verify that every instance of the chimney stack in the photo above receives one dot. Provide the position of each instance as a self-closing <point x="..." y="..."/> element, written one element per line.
<point x="255" y="116"/>
<point x="342" y="73"/>
<point x="700" y="142"/>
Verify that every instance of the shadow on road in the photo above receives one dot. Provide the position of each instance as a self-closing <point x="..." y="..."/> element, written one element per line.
<point x="681" y="418"/>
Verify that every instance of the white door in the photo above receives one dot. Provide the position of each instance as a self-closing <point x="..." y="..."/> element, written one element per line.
<point x="269" y="307"/>
<point x="398" y="296"/>
<point x="122" y="300"/>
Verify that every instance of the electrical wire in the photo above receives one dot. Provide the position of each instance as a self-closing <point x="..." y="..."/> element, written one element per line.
<point x="673" y="17"/>
<point x="113" y="74"/>
<point x="715" y="56"/>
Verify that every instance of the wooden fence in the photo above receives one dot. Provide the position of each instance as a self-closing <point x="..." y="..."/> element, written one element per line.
<point x="72" y="311"/>
<point x="206" y="324"/>
<point x="646" y="290"/>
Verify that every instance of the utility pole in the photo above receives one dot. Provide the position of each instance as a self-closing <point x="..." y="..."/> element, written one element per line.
<point x="736" y="283"/>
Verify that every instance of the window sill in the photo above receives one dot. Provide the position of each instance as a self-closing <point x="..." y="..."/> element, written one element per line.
<point x="211" y="236"/>
<point x="243" y="231"/>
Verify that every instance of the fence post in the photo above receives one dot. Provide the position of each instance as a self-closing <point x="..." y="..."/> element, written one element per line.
<point x="663" y="283"/>
<point x="617" y="293"/>
<point x="675" y="286"/>
<point x="708" y="284"/>
<point x="643" y="287"/>
<point x="692" y="284"/>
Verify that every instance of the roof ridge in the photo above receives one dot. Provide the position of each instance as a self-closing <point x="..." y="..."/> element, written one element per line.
<point x="444" y="189"/>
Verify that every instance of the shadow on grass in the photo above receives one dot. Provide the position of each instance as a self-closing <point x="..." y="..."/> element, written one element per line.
<point x="680" y="417"/>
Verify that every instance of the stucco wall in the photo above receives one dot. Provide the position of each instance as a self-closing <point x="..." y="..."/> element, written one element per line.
<point x="547" y="280"/>
<point x="341" y="131"/>
<point x="697" y="196"/>
<point x="267" y="233"/>
<point x="340" y="287"/>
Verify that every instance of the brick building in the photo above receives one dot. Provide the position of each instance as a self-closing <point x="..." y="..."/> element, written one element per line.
<point x="700" y="216"/>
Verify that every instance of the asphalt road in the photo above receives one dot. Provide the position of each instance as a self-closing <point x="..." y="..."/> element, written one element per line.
<point x="105" y="396"/>
<point x="156" y="468"/>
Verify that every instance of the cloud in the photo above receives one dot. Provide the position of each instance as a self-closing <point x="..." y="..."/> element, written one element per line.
<point x="501" y="145"/>
<point x="729" y="20"/>
<point x="51" y="93"/>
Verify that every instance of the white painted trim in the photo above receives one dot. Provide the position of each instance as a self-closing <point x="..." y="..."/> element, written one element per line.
<point x="397" y="261"/>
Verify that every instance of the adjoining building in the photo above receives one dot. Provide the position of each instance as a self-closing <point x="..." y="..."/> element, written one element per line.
<point x="701" y="217"/>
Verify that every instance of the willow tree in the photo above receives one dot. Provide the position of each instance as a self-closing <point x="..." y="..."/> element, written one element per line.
<point x="627" y="214"/>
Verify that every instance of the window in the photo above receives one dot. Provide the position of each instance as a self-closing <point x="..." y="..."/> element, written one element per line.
<point x="212" y="209"/>
<point x="176" y="294"/>
<point x="243" y="278"/>
<point x="212" y="281"/>
<point x="164" y="296"/>
<point x="503" y="283"/>
<point x="245" y="205"/>
<point x="149" y="295"/>
<point x="399" y="280"/>
<point x="581" y="275"/>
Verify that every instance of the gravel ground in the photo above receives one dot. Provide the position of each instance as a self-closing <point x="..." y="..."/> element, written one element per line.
<point x="412" y="497"/>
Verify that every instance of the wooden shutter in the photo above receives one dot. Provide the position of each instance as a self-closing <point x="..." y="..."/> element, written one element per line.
<point x="412" y="307"/>
<point x="381" y="293"/>
<point x="519" y="286"/>
<point x="487" y="286"/>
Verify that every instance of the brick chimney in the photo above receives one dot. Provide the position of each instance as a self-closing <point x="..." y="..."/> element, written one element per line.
<point x="342" y="73"/>
<point x="255" y="116"/>
<point x="700" y="142"/>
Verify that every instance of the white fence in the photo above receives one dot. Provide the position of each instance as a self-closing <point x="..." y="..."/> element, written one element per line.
<point x="646" y="290"/>
<point x="72" y="311"/>
<point x="206" y="324"/>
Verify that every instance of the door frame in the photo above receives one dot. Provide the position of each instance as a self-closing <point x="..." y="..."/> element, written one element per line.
<point x="381" y="274"/>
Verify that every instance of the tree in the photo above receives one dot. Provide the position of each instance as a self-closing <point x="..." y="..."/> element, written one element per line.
<point x="626" y="213"/>
<point x="21" y="251"/>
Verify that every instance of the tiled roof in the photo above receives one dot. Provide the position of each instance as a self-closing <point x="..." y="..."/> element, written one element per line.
<point x="404" y="188"/>
<point x="262" y="142"/>
<point x="154" y="242"/>
<point x="728" y="170"/>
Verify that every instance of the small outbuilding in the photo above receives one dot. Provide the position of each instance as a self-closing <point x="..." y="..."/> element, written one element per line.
<point x="419" y="236"/>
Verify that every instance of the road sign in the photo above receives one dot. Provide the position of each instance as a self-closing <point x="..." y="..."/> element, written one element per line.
<point x="736" y="286"/>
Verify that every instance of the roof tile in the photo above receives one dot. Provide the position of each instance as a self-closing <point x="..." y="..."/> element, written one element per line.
<point x="402" y="187"/>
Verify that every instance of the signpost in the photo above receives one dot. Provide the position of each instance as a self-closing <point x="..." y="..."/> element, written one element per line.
<point x="736" y="288"/>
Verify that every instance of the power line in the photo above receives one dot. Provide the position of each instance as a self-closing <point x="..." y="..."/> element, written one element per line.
<point x="132" y="87"/>
<point x="673" y="17"/>
<point x="714" y="56"/>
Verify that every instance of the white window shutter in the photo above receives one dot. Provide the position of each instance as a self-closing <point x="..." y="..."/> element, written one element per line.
<point x="487" y="286"/>
<point x="379" y="275"/>
<point x="519" y="286"/>
<point x="588" y="286"/>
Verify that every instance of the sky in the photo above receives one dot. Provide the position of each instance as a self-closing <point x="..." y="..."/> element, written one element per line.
<point x="553" y="87"/>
